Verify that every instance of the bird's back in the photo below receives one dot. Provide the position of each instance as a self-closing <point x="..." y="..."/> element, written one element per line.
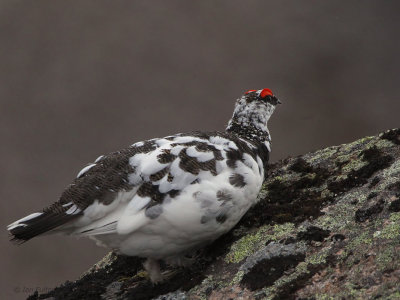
<point x="171" y="193"/>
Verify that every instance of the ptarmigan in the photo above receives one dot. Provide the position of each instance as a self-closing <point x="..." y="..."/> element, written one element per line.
<point x="163" y="198"/>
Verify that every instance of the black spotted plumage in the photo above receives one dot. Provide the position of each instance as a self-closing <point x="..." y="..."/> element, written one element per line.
<point x="237" y="180"/>
<point x="109" y="174"/>
<point x="224" y="195"/>
<point x="233" y="155"/>
<point x="166" y="157"/>
<point x="160" y="174"/>
<point x="170" y="178"/>
<point x="192" y="165"/>
<point x="221" y="218"/>
<point x="148" y="189"/>
<point x="162" y="198"/>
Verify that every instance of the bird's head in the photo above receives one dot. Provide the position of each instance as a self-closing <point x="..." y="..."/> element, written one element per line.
<point x="255" y="99"/>
<point x="253" y="110"/>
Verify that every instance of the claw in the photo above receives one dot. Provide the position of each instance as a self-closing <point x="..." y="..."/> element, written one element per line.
<point x="152" y="266"/>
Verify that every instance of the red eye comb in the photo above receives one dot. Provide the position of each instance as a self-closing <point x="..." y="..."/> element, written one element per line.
<point x="266" y="92"/>
<point x="249" y="91"/>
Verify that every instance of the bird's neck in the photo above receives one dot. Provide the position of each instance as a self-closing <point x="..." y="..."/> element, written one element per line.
<point x="258" y="133"/>
<point x="250" y="121"/>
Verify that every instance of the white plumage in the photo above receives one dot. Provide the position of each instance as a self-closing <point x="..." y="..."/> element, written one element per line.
<point x="163" y="198"/>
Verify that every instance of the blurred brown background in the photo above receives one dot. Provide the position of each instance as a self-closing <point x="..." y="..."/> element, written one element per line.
<point x="83" y="78"/>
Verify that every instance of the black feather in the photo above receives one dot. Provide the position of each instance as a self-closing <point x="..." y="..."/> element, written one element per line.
<point x="47" y="221"/>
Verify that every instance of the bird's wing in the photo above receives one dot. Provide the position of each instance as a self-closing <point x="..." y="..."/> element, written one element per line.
<point x="123" y="191"/>
<point x="93" y="194"/>
<point x="177" y="163"/>
<point x="155" y="175"/>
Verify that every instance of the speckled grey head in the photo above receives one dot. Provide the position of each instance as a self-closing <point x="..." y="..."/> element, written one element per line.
<point x="252" y="112"/>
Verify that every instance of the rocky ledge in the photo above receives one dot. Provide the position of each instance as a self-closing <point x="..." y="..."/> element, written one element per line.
<point x="327" y="226"/>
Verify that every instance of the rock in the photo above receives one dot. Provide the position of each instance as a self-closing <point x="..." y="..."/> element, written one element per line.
<point x="372" y="208"/>
<point x="313" y="233"/>
<point x="269" y="263"/>
<point x="327" y="226"/>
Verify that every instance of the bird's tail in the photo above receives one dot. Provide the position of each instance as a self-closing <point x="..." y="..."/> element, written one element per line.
<point x="36" y="224"/>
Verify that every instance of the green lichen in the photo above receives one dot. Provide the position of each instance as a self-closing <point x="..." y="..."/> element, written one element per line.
<point x="263" y="192"/>
<point x="364" y="238"/>
<point x="383" y="144"/>
<point x="386" y="290"/>
<point x="238" y="277"/>
<point x="280" y="231"/>
<point x="284" y="178"/>
<point x="300" y="270"/>
<point x="201" y="290"/>
<point x="361" y="197"/>
<point x="393" y="172"/>
<point x="352" y="291"/>
<point x="323" y="297"/>
<point x="394" y="296"/>
<point x="250" y="243"/>
<point x="337" y="217"/>
<point x="361" y="265"/>
<point x="391" y="175"/>
<point x="246" y="246"/>
<point x="365" y="142"/>
<point x="322" y="155"/>
<point x="356" y="248"/>
<point x="142" y="274"/>
<point x="391" y="230"/>
<point x="348" y="291"/>
<point x="395" y="217"/>
<point x="103" y="263"/>
<point x="386" y="258"/>
<point x="353" y="164"/>
<point x="318" y="257"/>
<point x="280" y="178"/>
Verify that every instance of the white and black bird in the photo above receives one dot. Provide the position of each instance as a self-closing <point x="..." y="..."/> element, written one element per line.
<point x="166" y="197"/>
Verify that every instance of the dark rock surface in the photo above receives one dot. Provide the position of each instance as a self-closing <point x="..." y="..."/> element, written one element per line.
<point x="327" y="226"/>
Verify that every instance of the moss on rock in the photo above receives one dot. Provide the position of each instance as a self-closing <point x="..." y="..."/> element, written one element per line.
<point x="327" y="226"/>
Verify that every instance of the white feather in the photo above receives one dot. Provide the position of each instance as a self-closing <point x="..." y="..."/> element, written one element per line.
<point x="73" y="210"/>
<point x="187" y="220"/>
<point x="199" y="155"/>
<point x="187" y="139"/>
<point x="162" y="142"/>
<point x="15" y="225"/>
<point x="149" y="163"/>
<point x="133" y="216"/>
<point x="138" y="144"/>
<point x="84" y="170"/>
<point x="268" y="145"/>
<point x="137" y="204"/>
<point x="99" y="158"/>
<point x="19" y="222"/>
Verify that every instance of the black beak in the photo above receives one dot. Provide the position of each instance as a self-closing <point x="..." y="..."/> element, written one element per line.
<point x="278" y="101"/>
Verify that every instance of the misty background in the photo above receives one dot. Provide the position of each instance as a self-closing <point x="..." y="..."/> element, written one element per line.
<point x="84" y="78"/>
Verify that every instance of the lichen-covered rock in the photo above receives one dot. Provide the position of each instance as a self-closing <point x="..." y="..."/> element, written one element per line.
<point x="327" y="226"/>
